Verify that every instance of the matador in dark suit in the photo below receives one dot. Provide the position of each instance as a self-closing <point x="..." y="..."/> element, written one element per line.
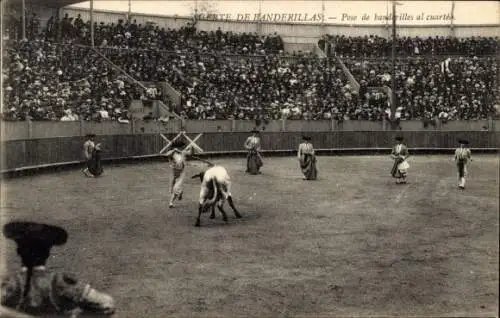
<point x="37" y="291"/>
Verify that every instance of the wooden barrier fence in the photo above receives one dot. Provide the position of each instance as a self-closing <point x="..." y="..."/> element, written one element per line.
<point x="23" y="130"/>
<point x="22" y="154"/>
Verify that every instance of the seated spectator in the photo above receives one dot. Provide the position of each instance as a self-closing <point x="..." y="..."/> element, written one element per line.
<point x="123" y="117"/>
<point x="443" y="116"/>
<point x="69" y="116"/>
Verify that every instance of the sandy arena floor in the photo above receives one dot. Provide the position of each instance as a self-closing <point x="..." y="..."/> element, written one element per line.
<point x="351" y="243"/>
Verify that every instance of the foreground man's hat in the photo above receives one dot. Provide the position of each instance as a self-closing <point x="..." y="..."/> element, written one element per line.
<point x="34" y="240"/>
<point x="22" y="232"/>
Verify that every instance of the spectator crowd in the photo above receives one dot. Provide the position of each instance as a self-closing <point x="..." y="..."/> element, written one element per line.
<point x="60" y="82"/>
<point x="376" y="46"/>
<point x="455" y="88"/>
<point x="224" y="75"/>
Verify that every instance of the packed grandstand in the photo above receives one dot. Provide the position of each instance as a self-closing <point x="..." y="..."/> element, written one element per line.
<point x="224" y="75"/>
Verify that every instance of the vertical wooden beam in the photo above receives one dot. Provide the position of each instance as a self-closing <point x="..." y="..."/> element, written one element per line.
<point x="129" y="10"/>
<point x="92" y="23"/>
<point x="393" y="77"/>
<point x="452" y="27"/>
<point x="23" y="16"/>
<point x="1" y="57"/>
<point x="323" y="18"/>
<point x="59" y="26"/>
<point x="259" y="22"/>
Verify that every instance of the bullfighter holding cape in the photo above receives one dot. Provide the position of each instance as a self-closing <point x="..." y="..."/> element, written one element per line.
<point x="95" y="166"/>
<point x="92" y="153"/>
<point x="254" y="159"/>
<point x="400" y="167"/>
<point x="307" y="159"/>
<point x="462" y="159"/>
<point x="178" y="160"/>
<point x="35" y="290"/>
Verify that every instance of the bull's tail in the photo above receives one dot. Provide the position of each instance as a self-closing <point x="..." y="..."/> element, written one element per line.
<point x="207" y="200"/>
<point x="216" y="190"/>
<point x="212" y="195"/>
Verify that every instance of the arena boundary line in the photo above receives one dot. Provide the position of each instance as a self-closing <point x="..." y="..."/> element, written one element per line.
<point x="59" y="166"/>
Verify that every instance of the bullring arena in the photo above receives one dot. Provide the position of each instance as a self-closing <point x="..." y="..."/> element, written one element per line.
<point x="352" y="243"/>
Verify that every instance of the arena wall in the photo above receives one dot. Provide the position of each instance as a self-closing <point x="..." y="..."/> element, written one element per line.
<point x="22" y="130"/>
<point x="29" y="145"/>
<point x="25" y="154"/>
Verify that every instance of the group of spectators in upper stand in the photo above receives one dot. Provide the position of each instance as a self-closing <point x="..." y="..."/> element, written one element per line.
<point x="376" y="46"/>
<point x="222" y="75"/>
<point x="44" y="81"/>
<point x="438" y="78"/>
<point x="222" y="87"/>
<point x="51" y="81"/>
<point x="186" y="39"/>
<point x="454" y="88"/>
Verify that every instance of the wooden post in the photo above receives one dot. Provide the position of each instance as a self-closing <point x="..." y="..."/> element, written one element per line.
<point x="1" y="58"/>
<point x="59" y="25"/>
<point x="259" y="22"/>
<point x="393" y="77"/>
<point x="323" y="25"/>
<point x="23" y="16"/>
<point x="92" y="23"/>
<point x="129" y="10"/>
<point x="452" y="27"/>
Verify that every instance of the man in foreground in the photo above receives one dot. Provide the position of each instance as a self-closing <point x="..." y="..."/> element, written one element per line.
<point x="37" y="291"/>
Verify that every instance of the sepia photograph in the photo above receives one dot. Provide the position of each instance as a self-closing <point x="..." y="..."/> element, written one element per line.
<point x="252" y="158"/>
